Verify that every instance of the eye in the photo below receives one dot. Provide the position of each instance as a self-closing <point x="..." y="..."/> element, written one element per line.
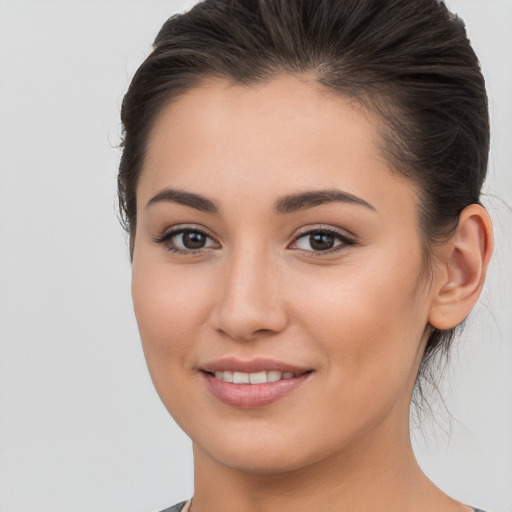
<point x="322" y="240"/>
<point x="186" y="240"/>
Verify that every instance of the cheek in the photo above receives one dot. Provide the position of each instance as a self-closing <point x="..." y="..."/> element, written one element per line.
<point x="368" y="319"/>
<point x="170" y="310"/>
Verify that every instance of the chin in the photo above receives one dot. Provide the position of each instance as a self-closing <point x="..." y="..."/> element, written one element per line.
<point x="258" y="452"/>
<point x="259" y="460"/>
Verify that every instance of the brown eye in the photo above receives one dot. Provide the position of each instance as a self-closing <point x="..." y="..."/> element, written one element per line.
<point x="192" y="239"/>
<point x="322" y="240"/>
<point x="186" y="241"/>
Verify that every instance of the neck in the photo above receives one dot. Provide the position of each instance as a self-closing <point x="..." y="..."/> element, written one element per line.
<point x="376" y="472"/>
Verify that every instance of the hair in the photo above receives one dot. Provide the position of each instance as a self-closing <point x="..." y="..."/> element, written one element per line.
<point x="408" y="62"/>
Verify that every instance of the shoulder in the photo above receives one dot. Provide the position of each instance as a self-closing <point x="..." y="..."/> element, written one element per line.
<point x="178" y="507"/>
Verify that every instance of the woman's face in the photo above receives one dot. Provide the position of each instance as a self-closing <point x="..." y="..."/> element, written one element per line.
<point x="274" y="245"/>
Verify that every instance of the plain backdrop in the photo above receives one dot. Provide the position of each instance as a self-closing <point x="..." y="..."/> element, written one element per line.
<point x="81" y="428"/>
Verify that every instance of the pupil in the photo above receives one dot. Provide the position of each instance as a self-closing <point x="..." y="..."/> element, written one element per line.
<point x="321" y="241"/>
<point x="193" y="240"/>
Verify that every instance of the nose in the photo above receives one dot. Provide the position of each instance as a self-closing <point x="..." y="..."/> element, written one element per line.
<point x="249" y="302"/>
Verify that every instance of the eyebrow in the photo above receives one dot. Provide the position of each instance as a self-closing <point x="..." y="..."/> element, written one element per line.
<point x="199" y="202"/>
<point x="304" y="200"/>
<point x="284" y="205"/>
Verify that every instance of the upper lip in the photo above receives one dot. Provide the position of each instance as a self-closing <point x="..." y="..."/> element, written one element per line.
<point x="251" y="366"/>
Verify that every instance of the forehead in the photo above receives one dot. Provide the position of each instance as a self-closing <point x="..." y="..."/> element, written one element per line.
<point x="276" y="137"/>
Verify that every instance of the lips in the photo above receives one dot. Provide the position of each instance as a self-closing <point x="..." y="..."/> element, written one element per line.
<point x="252" y="384"/>
<point x="252" y="366"/>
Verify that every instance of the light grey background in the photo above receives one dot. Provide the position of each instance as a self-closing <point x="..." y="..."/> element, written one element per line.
<point x="81" y="428"/>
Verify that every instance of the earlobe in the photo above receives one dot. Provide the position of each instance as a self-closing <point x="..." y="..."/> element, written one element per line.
<point x="461" y="268"/>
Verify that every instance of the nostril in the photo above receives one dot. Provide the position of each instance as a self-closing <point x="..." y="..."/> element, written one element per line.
<point x="249" y="325"/>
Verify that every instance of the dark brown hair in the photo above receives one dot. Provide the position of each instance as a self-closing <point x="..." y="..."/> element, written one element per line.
<point x="407" y="61"/>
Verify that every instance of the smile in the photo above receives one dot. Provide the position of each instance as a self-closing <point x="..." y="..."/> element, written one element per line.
<point x="262" y="377"/>
<point x="252" y="384"/>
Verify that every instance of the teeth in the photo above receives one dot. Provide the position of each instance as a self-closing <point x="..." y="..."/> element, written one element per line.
<point x="273" y="376"/>
<point x="240" y="378"/>
<point x="258" y="378"/>
<point x="225" y="376"/>
<point x="253" y="378"/>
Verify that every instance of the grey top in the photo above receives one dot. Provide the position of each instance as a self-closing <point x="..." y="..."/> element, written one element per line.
<point x="175" y="508"/>
<point x="179" y="506"/>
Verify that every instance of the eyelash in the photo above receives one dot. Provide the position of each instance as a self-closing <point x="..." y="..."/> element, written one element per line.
<point x="166" y="237"/>
<point x="340" y="237"/>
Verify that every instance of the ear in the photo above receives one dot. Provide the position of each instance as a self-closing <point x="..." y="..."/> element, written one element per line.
<point x="461" y="265"/>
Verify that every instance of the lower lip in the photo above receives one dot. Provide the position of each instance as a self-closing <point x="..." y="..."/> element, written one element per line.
<point x="252" y="396"/>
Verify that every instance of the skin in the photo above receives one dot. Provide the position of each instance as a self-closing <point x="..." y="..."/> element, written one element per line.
<point x="358" y="317"/>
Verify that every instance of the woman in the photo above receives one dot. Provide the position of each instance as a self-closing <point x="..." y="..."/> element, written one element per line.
<point x="301" y="182"/>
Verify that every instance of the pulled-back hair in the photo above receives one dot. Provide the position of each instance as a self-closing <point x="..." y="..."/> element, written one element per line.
<point x="409" y="62"/>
